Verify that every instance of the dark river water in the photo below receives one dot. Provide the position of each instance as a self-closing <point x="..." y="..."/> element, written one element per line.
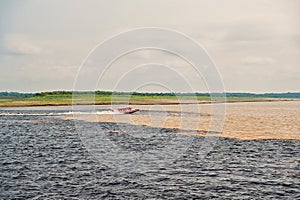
<point x="45" y="157"/>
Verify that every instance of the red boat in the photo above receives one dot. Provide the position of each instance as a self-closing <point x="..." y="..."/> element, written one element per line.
<point x="127" y="110"/>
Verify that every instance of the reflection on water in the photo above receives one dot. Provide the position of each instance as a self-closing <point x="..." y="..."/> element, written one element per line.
<point x="43" y="157"/>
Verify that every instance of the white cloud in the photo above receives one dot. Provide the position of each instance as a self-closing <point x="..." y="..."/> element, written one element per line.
<point x="257" y="61"/>
<point x="20" y="44"/>
<point x="48" y="73"/>
<point x="248" y="40"/>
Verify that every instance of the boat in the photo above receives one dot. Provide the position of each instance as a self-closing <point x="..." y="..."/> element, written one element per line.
<point x="126" y="110"/>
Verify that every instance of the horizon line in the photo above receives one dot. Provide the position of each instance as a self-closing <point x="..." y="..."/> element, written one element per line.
<point x="151" y="92"/>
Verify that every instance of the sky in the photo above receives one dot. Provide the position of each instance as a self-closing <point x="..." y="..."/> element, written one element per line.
<point x="255" y="44"/>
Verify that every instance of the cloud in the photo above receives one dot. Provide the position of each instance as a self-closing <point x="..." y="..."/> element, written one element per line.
<point x="48" y="73"/>
<point x="18" y="44"/>
<point x="248" y="40"/>
<point x="257" y="61"/>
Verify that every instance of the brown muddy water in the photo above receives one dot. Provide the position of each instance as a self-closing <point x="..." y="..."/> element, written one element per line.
<point x="47" y="154"/>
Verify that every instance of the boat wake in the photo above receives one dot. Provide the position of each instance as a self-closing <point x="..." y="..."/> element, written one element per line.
<point x="102" y="112"/>
<point x="126" y="110"/>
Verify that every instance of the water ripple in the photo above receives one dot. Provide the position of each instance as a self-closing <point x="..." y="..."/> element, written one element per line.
<point x="43" y="158"/>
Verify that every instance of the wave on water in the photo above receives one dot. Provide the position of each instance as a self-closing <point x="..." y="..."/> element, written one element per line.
<point x="102" y="112"/>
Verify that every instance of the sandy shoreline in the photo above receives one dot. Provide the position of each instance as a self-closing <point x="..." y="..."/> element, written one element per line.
<point x="161" y="101"/>
<point x="243" y="121"/>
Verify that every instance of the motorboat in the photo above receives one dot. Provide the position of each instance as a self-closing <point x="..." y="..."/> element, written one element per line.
<point x="126" y="110"/>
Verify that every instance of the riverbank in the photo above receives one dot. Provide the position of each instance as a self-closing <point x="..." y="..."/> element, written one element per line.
<point x="61" y="101"/>
<point x="67" y="98"/>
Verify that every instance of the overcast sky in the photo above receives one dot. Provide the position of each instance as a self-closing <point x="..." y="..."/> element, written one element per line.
<point x="255" y="43"/>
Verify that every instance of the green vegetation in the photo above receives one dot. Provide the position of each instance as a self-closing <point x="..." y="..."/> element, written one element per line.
<point x="108" y="97"/>
<point x="14" y="95"/>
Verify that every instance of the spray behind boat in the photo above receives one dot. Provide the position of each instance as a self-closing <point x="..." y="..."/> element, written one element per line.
<point x="126" y="110"/>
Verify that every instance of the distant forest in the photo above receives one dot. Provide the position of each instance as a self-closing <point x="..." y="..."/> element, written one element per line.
<point x="17" y="95"/>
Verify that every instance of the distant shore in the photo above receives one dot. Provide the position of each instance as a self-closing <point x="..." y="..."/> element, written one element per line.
<point x="161" y="101"/>
<point x="67" y="98"/>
